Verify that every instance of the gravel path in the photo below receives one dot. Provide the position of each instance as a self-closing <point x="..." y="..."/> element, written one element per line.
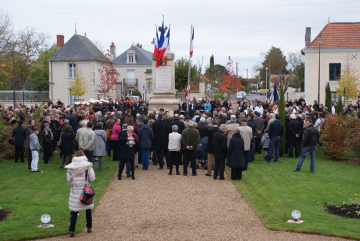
<point x="157" y="206"/>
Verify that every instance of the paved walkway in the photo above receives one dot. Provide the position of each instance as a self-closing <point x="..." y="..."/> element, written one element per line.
<point x="157" y="206"/>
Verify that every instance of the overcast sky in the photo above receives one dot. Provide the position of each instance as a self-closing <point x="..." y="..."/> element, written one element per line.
<point x="240" y="29"/>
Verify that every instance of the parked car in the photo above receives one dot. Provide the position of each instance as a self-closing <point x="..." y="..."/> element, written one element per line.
<point x="241" y="95"/>
<point x="132" y="97"/>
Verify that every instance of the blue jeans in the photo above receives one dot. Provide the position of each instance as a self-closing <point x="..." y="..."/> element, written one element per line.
<point x="251" y="153"/>
<point x="274" y="142"/>
<point x="145" y="157"/>
<point x="306" y="151"/>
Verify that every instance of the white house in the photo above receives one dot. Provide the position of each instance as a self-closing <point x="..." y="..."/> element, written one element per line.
<point x="340" y="45"/>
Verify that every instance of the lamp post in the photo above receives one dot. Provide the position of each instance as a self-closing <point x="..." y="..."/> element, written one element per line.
<point x="266" y="71"/>
<point x="319" y="40"/>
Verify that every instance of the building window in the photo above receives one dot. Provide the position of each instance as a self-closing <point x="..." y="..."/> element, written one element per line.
<point x="72" y="70"/>
<point x="334" y="72"/>
<point x="131" y="58"/>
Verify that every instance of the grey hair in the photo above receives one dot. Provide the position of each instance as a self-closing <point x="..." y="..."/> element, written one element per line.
<point x="222" y="126"/>
<point x="66" y="122"/>
<point x="202" y="120"/>
<point x="156" y="117"/>
<point x="130" y="128"/>
<point x="175" y="128"/>
<point x="233" y="118"/>
<point x="237" y="130"/>
<point x="83" y="123"/>
<point x="191" y="123"/>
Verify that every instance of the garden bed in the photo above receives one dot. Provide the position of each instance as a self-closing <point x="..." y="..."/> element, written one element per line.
<point x="346" y="211"/>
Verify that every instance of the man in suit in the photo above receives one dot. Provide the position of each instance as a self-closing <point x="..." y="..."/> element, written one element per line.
<point x="72" y="119"/>
<point x="161" y="135"/>
<point x="220" y="151"/>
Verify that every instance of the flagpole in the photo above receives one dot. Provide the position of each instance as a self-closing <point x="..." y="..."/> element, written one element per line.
<point x="189" y="74"/>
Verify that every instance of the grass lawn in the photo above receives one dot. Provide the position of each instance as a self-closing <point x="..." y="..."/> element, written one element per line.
<point x="274" y="191"/>
<point x="30" y="195"/>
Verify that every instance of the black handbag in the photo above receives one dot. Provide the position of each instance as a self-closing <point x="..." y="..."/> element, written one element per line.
<point x="11" y="142"/>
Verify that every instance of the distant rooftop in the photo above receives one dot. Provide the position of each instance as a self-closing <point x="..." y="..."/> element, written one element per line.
<point x="143" y="57"/>
<point x="79" y="48"/>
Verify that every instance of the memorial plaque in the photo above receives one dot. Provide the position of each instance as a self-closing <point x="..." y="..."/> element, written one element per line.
<point x="163" y="78"/>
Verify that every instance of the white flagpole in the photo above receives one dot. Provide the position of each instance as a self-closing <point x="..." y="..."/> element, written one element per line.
<point x="189" y="74"/>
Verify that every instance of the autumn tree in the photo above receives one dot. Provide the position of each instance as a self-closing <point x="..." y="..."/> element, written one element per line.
<point x="349" y="81"/>
<point x="78" y="85"/>
<point x="108" y="77"/>
<point x="229" y="83"/>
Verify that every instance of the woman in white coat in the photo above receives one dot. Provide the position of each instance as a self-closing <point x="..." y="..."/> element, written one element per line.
<point x="77" y="180"/>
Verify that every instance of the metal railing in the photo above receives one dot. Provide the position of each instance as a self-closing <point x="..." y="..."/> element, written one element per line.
<point x="27" y="96"/>
<point x="131" y="82"/>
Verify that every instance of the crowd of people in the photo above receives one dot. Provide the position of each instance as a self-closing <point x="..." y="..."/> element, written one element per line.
<point x="133" y="134"/>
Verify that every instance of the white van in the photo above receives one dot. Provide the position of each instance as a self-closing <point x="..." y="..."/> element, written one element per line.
<point x="241" y="95"/>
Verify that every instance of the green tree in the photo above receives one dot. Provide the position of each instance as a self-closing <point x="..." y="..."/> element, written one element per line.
<point x="139" y="45"/>
<point x="278" y="63"/>
<point x="282" y="146"/>
<point x="40" y="75"/>
<point x="339" y="108"/>
<point x="181" y="73"/>
<point x="299" y="74"/>
<point x="328" y="97"/>
<point x="136" y="92"/>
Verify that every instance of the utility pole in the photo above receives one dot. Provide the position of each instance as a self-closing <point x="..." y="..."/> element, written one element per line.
<point x="237" y="89"/>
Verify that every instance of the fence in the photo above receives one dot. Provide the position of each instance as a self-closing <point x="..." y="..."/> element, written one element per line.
<point x="26" y="96"/>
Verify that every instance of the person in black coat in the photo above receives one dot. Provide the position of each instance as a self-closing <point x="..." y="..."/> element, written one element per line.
<point x="72" y="119"/>
<point x="178" y="122"/>
<point x="294" y="135"/>
<point x="220" y="151"/>
<point x="127" y="142"/>
<point x="67" y="145"/>
<point x="161" y="135"/>
<point x="210" y="148"/>
<point x="48" y="138"/>
<point x="287" y="120"/>
<point x="202" y="127"/>
<point x="236" y="152"/>
<point x="19" y="135"/>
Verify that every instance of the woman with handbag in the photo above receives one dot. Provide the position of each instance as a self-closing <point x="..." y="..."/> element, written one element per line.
<point x="66" y="144"/>
<point x="79" y="174"/>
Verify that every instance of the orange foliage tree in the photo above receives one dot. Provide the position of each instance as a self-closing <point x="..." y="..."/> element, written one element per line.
<point x="229" y="82"/>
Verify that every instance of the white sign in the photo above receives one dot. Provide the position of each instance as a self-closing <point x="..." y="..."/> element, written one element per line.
<point x="143" y="87"/>
<point x="163" y="78"/>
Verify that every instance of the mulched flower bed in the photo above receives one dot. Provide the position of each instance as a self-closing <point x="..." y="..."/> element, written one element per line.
<point x="347" y="211"/>
<point x="4" y="214"/>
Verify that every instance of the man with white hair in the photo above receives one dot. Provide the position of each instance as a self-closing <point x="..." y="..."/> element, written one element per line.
<point x="220" y="151"/>
<point x="230" y="128"/>
<point x="174" y="149"/>
<point x="294" y="135"/>
<point x="189" y="141"/>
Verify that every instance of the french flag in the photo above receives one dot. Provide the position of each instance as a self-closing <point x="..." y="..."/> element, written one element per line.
<point x="160" y="47"/>
<point x="167" y="44"/>
<point x="192" y="43"/>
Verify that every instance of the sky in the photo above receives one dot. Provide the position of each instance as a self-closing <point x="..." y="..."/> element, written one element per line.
<point x="242" y="30"/>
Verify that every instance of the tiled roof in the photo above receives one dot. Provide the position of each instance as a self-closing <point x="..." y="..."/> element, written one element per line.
<point x="79" y="48"/>
<point x="338" y="35"/>
<point x="143" y="57"/>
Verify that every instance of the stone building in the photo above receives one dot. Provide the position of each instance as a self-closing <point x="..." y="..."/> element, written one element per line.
<point x="340" y="45"/>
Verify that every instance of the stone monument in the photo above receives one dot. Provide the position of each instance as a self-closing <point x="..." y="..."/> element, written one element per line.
<point x="163" y="85"/>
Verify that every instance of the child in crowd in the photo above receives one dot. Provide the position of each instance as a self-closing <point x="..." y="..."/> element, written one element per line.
<point x="265" y="142"/>
<point x="35" y="148"/>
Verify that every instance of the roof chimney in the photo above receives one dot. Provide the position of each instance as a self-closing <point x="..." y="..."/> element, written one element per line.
<point x="112" y="51"/>
<point x="60" y="41"/>
<point x="307" y="36"/>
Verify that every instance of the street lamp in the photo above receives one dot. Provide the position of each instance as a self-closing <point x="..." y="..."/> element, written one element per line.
<point x="12" y="46"/>
<point x="319" y="40"/>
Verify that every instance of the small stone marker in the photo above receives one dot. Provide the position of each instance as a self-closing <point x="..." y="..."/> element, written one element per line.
<point x="295" y="217"/>
<point x="45" y="220"/>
